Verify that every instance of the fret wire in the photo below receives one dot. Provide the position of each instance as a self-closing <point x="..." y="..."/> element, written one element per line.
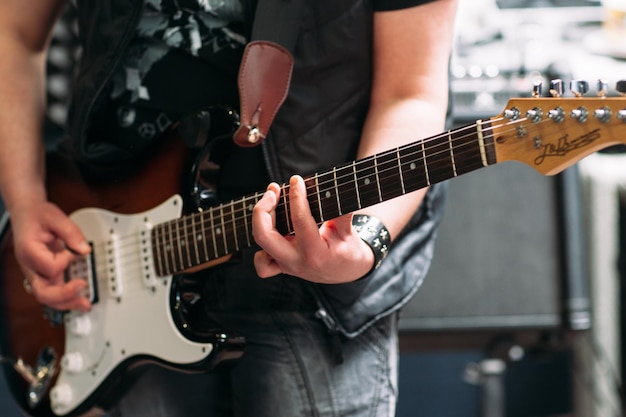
<point x="481" y="142"/>
<point x="246" y="213"/>
<point x="387" y="166"/>
<point x="194" y="233"/>
<point x="177" y="242"/>
<point x="400" y="171"/>
<point x="356" y="185"/>
<point x="425" y="163"/>
<point x="213" y="237"/>
<point x="232" y="216"/>
<point x="186" y="241"/>
<point x="222" y="230"/>
<point x="452" y="154"/>
<point x="313" y="197"/>
<point x="336" y="191"/>
<point x="440" y="160"/>
<point x="380" y="195"/>
<point x="204" y="237"/>
<point x="157" y="248"/>
<point x="170" y="249"/>
<point x="319" y="198"/>
<point x="286" y="208"/>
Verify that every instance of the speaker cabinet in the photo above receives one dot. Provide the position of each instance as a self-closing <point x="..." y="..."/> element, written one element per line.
<point x="510" y="255"/>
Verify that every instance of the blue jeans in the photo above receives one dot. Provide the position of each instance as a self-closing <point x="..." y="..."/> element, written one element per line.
<point x="289" y="367"/>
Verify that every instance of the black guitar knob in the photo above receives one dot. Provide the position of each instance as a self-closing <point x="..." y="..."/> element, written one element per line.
<point x="620" y="86"/>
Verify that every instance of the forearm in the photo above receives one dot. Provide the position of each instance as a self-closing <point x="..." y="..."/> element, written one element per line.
<point x="410" y="90"/>
<point x="391" y="126"/>
<point x="21" y="146"/>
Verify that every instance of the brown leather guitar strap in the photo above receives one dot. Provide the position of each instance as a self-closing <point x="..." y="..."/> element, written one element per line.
<point x="266" y="66"/>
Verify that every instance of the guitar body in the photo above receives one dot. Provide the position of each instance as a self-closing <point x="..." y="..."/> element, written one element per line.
<point x="137" y="317"/>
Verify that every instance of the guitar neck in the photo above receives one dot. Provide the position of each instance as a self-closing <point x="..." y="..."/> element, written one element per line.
<point x="201" y="238"/>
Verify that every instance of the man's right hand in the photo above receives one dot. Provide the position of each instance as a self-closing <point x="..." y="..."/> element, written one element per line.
<point x="46" y="241"/>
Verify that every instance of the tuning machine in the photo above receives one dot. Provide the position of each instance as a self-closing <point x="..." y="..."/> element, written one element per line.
<point x="579" y="87"/>
<point x="620" y="86"/>
<point x="557" y="87"/>
<point x="603" y="88"/>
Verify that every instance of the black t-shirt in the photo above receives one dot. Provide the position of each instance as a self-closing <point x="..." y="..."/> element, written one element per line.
<point x="178" y="45"/>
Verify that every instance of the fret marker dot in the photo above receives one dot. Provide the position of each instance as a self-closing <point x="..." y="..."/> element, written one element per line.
<point x="168" y="247"/>
<point x="366" y="181"/>
<point x="218" y="231"/>
<point x="413" y="166"/>
<point x="199" y="237"/>
<point x="328" y="194"/>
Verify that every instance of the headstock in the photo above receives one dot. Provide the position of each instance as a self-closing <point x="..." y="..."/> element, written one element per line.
<point x="552" y="133"/>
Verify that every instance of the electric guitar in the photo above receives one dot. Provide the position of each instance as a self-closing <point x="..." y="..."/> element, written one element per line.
<point x="146" y="238"/>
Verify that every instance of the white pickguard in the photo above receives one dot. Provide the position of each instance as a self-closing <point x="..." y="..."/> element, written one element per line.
<point x="132" y="314"/>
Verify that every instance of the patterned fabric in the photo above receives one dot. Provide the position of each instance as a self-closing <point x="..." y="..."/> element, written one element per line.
<point x="172" y="34"/>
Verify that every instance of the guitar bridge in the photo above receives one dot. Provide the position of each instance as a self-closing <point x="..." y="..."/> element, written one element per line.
<point x="83" y="268"/>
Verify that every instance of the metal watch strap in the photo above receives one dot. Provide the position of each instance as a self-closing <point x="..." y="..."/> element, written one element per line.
<point x="373" y="232"/>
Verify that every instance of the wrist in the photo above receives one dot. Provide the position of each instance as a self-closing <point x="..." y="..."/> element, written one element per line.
<point x="373" y="232"/>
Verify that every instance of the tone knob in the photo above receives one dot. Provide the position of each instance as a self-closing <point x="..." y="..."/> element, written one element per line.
<point x="73" y="362"/>
<point x="61" y="395"/>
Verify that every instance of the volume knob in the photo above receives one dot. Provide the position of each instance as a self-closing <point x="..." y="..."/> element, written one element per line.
<point x="80" y="325"/>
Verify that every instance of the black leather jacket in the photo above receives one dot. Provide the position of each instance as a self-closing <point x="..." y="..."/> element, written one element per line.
<point x="317" y="127"/>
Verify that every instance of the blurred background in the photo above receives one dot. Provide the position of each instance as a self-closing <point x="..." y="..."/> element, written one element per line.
<point x="520" y="315"/>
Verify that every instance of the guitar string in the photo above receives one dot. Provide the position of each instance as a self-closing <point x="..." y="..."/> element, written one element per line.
<point x="174" y="225"/>
<point x="228" y="224"/>
<point x="122" y="242"/>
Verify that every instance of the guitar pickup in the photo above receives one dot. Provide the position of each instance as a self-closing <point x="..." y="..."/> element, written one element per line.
<point x="83" y="268"/>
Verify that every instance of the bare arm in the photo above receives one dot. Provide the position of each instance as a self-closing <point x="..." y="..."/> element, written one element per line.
<point x="41" y="231"/>
<point x="409" y="99"/>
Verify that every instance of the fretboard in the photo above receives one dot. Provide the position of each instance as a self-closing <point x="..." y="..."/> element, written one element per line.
<point x="200" y="238"/>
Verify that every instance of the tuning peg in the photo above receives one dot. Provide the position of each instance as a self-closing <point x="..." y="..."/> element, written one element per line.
<point x="556" y="88"/>
<point x="603" y="114"/>
<point x="620" y="86"/>
<point x="537" y="87"/>
<point x="579" y="87"/>
<point x="603" y="88"/>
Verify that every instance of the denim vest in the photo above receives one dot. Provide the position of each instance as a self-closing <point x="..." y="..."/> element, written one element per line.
<point x="317" y="127"/>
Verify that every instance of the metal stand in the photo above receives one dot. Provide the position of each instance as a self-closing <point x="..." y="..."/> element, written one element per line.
<point x="489" y="374"/>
